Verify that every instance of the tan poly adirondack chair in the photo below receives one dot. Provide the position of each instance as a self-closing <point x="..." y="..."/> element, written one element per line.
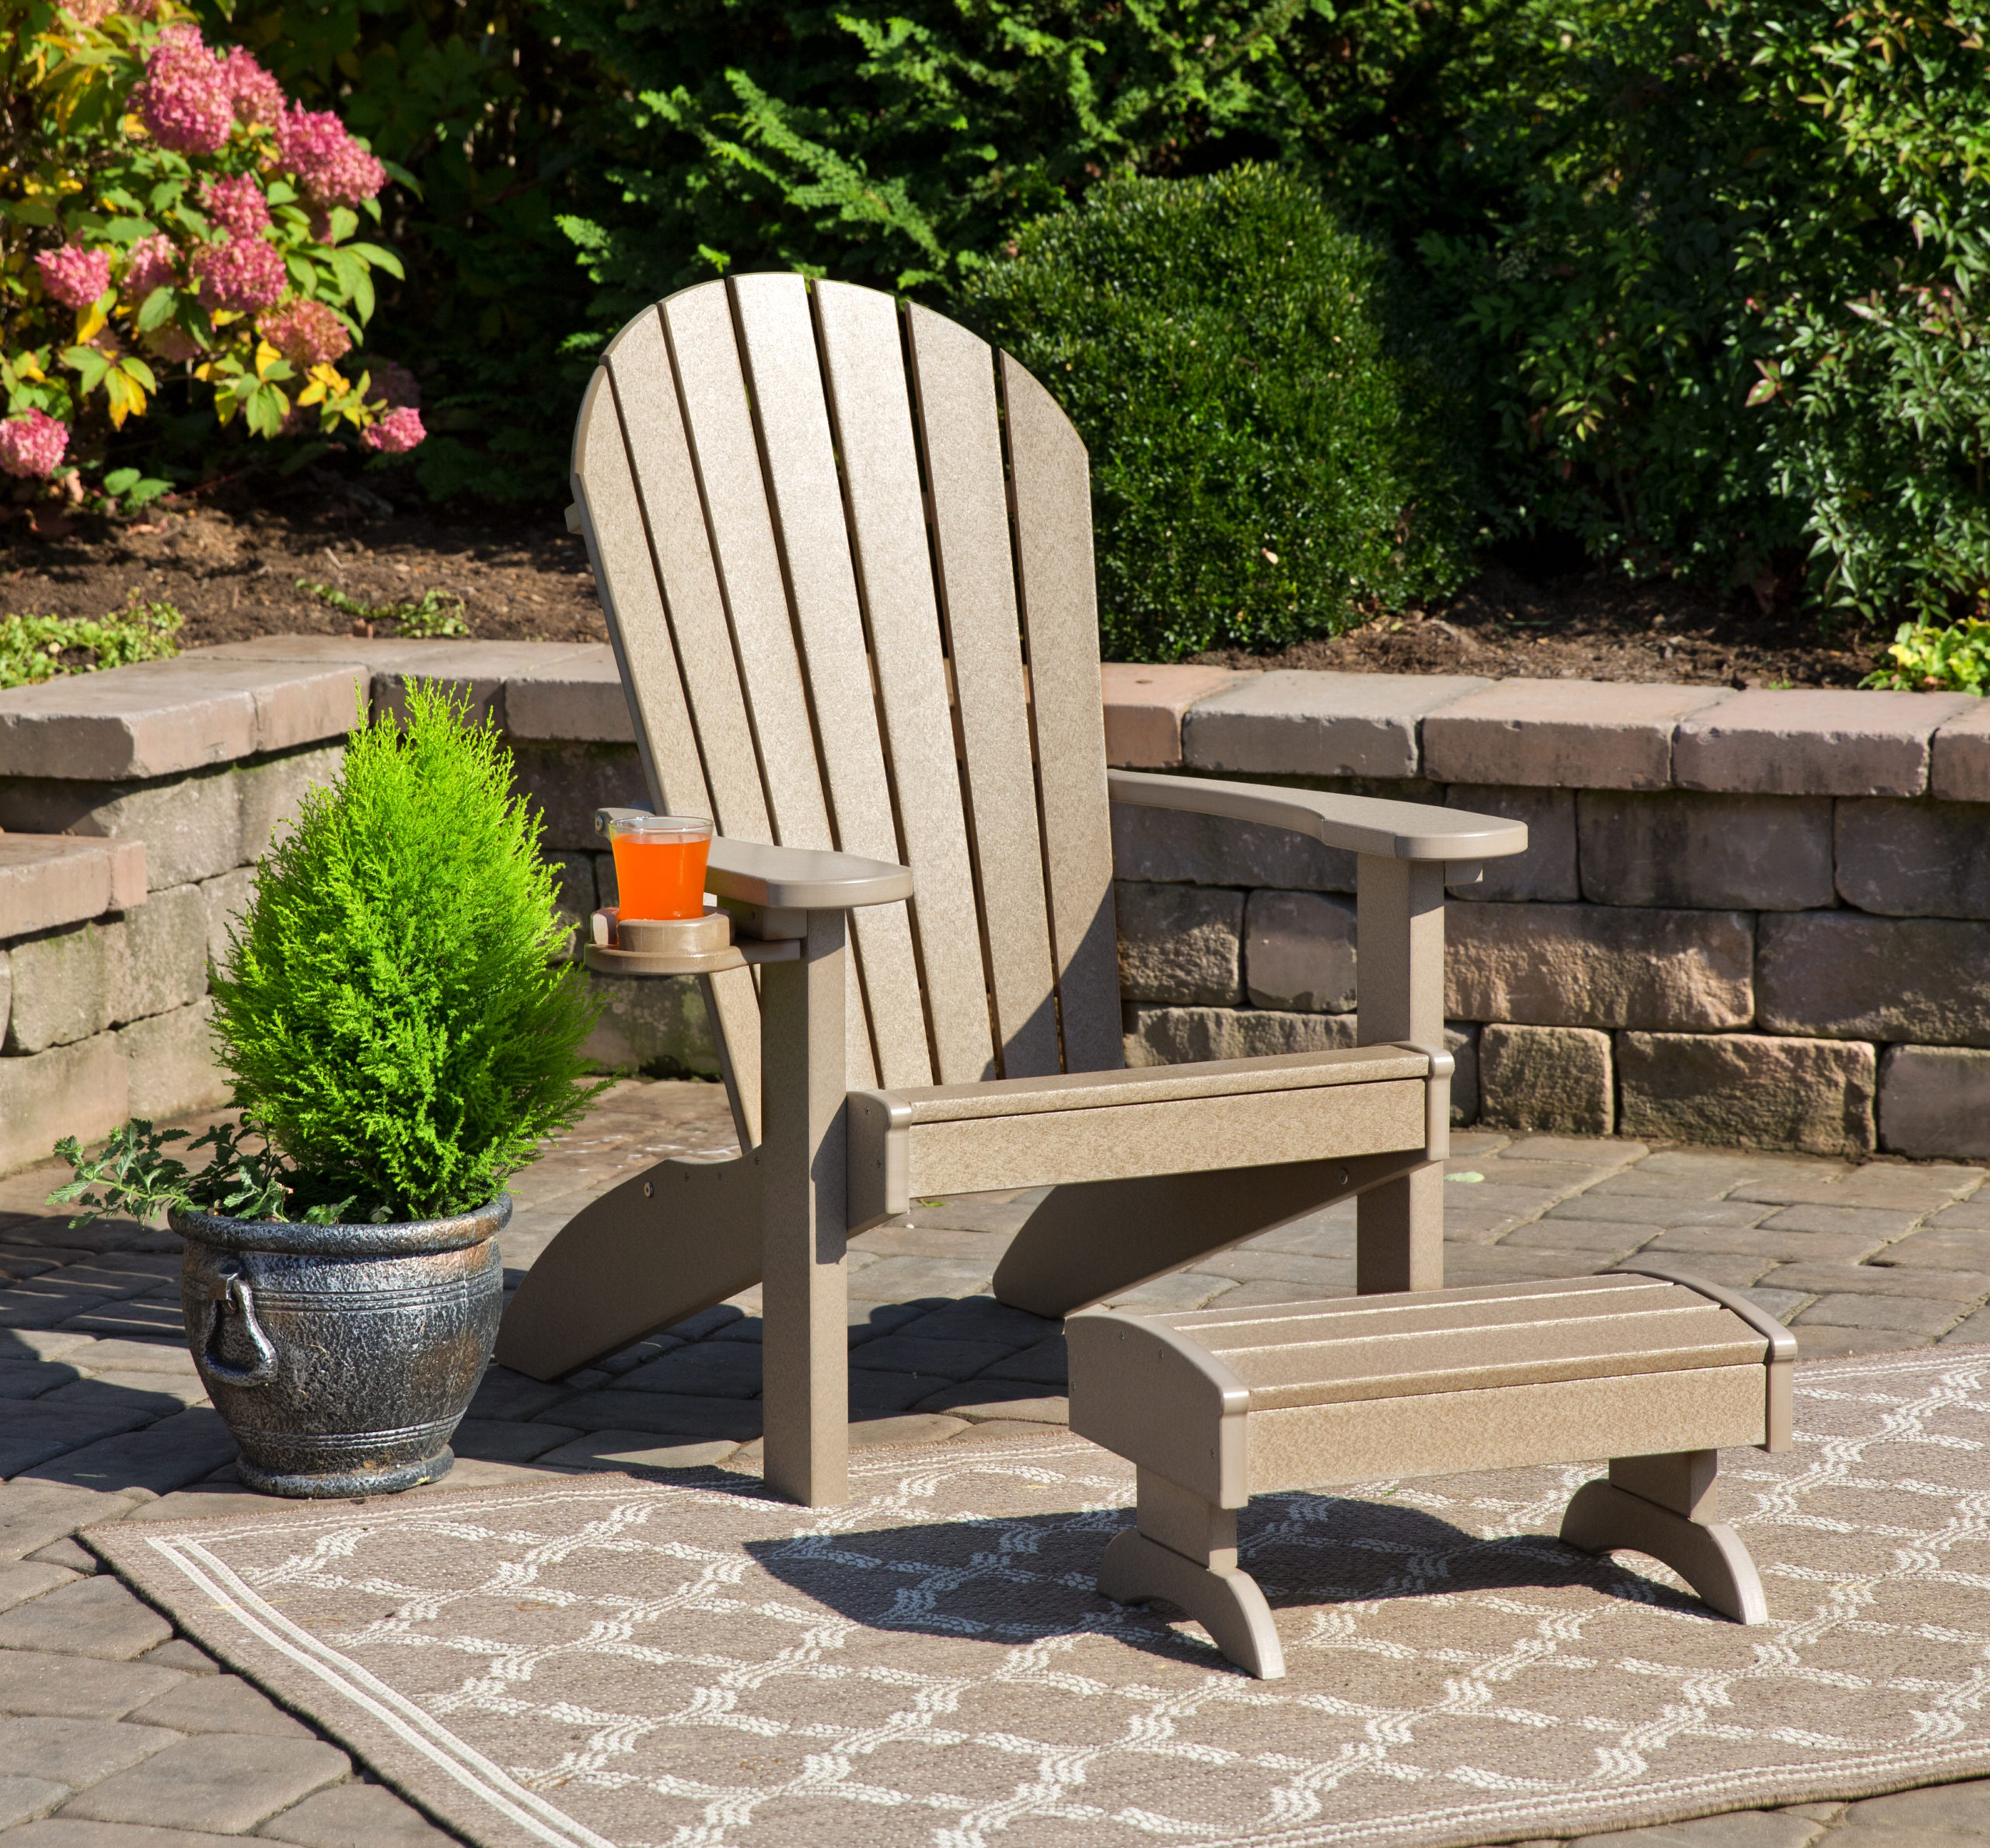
<point x="845" y="554"/>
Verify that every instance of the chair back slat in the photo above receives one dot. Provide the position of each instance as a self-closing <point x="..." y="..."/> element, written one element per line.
<point x="1060" y="628"/>
<point x="864" y="362"/>
<point x="954" y="376"/>
<point x="776" y="339"/>
<point x="719" y="420"/>
<point x="628" y="572"/>
<point x="842" y="625"/>
<point x="693" y="606"/>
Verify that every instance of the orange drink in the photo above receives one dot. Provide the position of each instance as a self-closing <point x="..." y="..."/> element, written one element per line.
<point x="660" y="864"/>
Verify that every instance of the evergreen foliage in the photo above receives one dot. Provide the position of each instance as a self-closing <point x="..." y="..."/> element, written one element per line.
<point x="398" y="1021"/>
<point x="1269" y="459"/>
<point x="1738" y="316"/>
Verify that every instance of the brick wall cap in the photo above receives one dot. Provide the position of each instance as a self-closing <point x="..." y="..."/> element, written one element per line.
<point x="1961" y="768"/>
<point x="579" y="697"/>
<point x="49" y="880"/>
<point x="159" y="718"/>
<point x="218" y="705"/>
<point x="1563" y="734"/>
<point x="1806" y="741"/>
<point x="1313" y="722"/>
<point x="1144" y="705"/>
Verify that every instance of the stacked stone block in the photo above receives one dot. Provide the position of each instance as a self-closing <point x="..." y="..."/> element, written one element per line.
<point x="1756" y="918"/>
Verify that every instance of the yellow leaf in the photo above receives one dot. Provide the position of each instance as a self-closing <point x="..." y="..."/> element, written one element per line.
<point x="265" y="356"/>
<point x="88" y="321"/>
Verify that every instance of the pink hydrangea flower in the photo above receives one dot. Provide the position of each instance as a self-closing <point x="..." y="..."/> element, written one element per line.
<point x="31" y="445"/>
<point x="396" y="433"/>
<point x="74" y="276"/>
<point x="152" y="263"/>
<point x="245" y="273"/>
<point x="257" y="97"/>
<point x="331" y="169"/>
<point x="184" y="100"/>
<point x="307" y="333"/>
<point x="394" y="385"/>
<point x="237" y="205"/>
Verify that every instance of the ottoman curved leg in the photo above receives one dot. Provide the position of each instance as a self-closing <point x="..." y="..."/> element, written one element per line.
<point x="1709" y="1555"/>
<point x="1225" y="1601"/>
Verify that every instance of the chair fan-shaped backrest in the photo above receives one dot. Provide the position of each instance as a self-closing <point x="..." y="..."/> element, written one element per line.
<point x="846" y="557"/>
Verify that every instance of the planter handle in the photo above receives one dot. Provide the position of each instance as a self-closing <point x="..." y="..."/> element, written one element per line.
<point x="233" y="1288"/>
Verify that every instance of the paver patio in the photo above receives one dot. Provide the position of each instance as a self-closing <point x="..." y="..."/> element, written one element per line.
<point x="120" y="1735"/>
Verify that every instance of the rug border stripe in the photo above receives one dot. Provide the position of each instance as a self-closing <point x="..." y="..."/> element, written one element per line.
<point x="467" y="1765"/>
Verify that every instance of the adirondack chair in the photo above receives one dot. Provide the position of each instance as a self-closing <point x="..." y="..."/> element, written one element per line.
<point x="845" y="555"/>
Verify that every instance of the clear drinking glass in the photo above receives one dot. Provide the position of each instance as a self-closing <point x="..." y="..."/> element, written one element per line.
<point x="660" y="864"/>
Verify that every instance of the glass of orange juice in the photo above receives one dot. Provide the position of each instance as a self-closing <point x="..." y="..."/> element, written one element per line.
<point x="660" y="864"/>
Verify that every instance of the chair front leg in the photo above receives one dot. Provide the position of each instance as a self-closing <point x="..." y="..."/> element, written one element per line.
<point x="805" y="1342"/>
<point x="1399" y="927"/>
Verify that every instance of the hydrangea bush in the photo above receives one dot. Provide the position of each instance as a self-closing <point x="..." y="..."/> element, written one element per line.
<point x="171" y="222"/>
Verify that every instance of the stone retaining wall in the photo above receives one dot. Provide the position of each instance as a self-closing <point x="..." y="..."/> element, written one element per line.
<point x="103" y="999"/>
<point x="1755" y="916"/>
<point x="1745" y="918"/>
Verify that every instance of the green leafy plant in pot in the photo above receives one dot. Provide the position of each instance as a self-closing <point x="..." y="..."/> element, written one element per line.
<point x="402" y="1034"/>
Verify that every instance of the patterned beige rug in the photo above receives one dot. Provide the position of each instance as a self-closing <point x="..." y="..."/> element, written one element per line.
<point x="603" y="1660"/>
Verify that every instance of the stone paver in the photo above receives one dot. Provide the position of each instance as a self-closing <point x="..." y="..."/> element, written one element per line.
<point x="123" y="1737"/>
<point x="94" y="1616"/>
<point x="355" y="1815"/>
<point x="225" y="1781"/>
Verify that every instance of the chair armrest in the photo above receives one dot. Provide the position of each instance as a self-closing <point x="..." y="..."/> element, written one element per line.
<point x="801" y="879"/>
<point x="790" y="878"/>
<point x="1361" y="824"/>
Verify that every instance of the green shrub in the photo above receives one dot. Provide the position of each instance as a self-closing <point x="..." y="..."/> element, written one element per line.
<point x="1741" y="306"/>
<point x="398" y="1022"/>
<point x="429" y="617"/>
<point x="33" y="649"/>
<point x="901" y="142"/>
<point x="1956" y="659"/>
<point x="1268" y="459"/>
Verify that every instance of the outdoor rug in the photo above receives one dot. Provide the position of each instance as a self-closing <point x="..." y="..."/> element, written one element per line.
<point x="604" y="1661"/>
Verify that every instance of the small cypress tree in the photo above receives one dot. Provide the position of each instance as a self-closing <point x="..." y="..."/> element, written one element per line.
<point x="398" y="1022"/>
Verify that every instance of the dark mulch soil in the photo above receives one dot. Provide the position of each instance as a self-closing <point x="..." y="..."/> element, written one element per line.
<point x="1594" y="626"/>
<point x="233" y="569"/>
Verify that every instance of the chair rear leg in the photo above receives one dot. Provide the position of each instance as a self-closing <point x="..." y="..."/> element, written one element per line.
<point x="1664" y="1506"/>
<point x="1184" y="1549"/>
<point x="675" y="1239"/>
<point x="1095" y="1239"/>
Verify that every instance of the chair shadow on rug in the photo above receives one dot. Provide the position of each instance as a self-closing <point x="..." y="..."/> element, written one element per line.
<point x="1029" y="1577"/>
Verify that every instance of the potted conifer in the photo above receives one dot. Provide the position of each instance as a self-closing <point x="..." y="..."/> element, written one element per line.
<point x="402" y="1032"/>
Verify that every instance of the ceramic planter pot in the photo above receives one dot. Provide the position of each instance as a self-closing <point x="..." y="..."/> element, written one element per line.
<point x="342" y="1357"/>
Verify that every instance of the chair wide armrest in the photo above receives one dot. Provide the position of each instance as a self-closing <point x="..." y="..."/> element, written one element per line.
<point x="789" y="878"/>
<point x="798" y="878"/>
<point x="1359" y="823"/>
